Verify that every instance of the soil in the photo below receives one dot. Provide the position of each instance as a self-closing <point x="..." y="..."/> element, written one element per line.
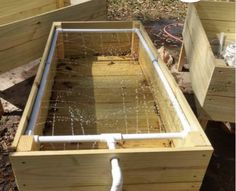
<point x="8" y="126"/>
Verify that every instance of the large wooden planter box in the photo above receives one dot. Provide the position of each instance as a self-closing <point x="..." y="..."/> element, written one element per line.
<point x="213" y="81"/>
<point x="25" y="26"/>
<point x="106" y="83"/>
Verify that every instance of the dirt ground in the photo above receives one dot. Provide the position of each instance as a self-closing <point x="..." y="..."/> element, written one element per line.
<point x="155" y="14"/>
<point x="145" y="10"/>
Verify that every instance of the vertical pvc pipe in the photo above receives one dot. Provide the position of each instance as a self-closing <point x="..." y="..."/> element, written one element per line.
<point x="117" y="177"/>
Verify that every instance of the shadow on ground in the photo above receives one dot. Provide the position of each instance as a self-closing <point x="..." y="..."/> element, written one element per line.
<point x="220" y="175"/>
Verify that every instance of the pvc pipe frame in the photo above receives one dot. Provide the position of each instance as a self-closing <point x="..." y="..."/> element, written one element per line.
<point x="89" y="138"/>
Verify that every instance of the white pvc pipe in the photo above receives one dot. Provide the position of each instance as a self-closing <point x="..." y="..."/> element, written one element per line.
<point x="190" y="1"/>
<point x="67" y="138"/>
<point x="117" y="177"/>
<point x="177" y="107"/>
<point x="105" y="137"/>
<point x="96" y="30"/>
<point x="38" y="99"/>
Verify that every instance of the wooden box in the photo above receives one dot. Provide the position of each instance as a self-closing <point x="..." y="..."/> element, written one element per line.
<point x="213" y="81"/>
<point x="106" y="83"/>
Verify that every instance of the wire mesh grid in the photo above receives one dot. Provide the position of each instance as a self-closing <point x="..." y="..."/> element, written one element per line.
<point x="98" y="87"/>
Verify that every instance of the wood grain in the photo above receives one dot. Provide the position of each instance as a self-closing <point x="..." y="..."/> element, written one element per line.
<point x="75" y="169"/>
<point x="27" y="38"/>
<point x="213" y="81"/>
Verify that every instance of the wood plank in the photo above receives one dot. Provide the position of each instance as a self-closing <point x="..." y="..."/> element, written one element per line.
<point x="29" y="105"/>
<point x="150" y="166"/>
<point x="13" y="10"/>
<point x="27" y="144"/>
<point x="18" y="75"/>
<point x="98" y="95"/>
<point x="129" y="81"/>
<point x="220" y="100"/>
<point x="199" y="54"/>
<point x="98" y="68"/>
<point x="194" y="186"/>
<point x="182" y="58"/>
<point x="214" y="26"/>
<point x="32" y="33"/>
<point x="220" y="108"/>
<point x="222" y="11"/>
<point x="222" y="82"/>
<point x="97" y="43"/>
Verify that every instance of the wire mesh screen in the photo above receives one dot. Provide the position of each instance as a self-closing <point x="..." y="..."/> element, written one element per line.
<point x="98" y="86"/>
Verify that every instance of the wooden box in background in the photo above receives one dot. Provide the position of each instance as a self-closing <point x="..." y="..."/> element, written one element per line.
<point x="213" y="81"/>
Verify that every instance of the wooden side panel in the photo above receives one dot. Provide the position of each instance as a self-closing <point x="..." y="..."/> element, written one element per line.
<point x="212" y="26"/>
<point x="222" y="82"/>
<point x="217" y="17"/>
<point x="109" y="44"/>
<point x="220" y="100"/>
<point x="13" y="10"/>
<point x="221" y="11"/>
<point x="77" y="170"/>
<point x="27" y="38"/>
<point x="113" y="44"/>
<point x="29" y="105"/>
<point x="199" y="54"/>
<point x="194" y="186"/>
<point x="220" y="108"/>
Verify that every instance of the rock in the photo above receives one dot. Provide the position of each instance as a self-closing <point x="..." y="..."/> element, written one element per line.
<point x="165" y="56"/>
